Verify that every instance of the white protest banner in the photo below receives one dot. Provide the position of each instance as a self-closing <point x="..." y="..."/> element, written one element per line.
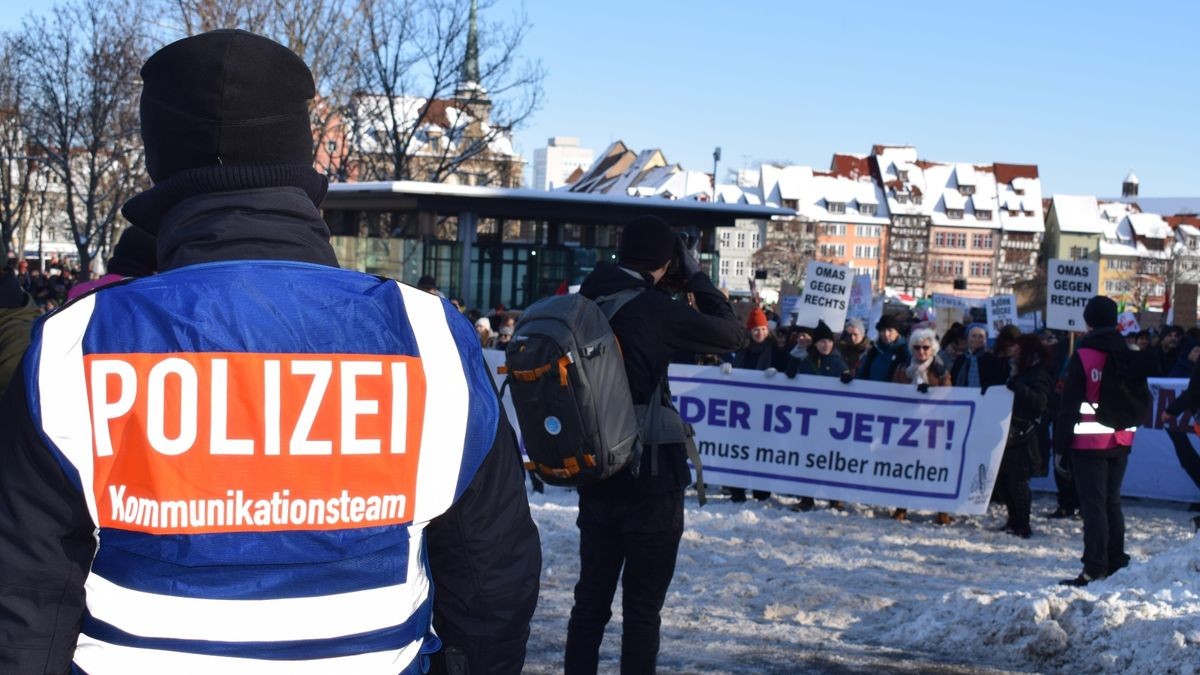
<point x="860" y="299"/>
<point x="1001" y="312"/>
<point x="826" y="295"/>
<point x="1070" y="284"/>
<point x="867" y="442"/>
<point x="789" y="310"/>
<point x="1156" y="468"/>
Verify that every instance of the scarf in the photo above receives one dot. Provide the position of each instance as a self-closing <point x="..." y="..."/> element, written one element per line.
<point x="917" y="372"/>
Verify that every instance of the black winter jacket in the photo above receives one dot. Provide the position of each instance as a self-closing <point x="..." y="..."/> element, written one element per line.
<point x="651" y="329"/>
<point x="1110" y="341"/>
<point x="1031" y="394"/>
<point x="484" y="553"/>
<point x="814" y="363"/>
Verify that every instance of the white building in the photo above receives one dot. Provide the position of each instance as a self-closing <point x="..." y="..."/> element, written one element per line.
<point x="554" y="164"/>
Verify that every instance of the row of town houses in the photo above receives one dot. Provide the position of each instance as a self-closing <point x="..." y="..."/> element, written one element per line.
<point x="919" y="227"/>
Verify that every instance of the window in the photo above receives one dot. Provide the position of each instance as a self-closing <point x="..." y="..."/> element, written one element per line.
<point x="739" y="268"/>
<point x="833" y="250"/>
<point x="869" y="231"/>
<point x="981" y="269"/>
<point x="1117" y="286"/>
<point x="967" y="190"/>
<point x="1080" y="252"/>
<point x="873" y="272"/>
<point x="902" y="175"/>
<point x="954" y="214"/>
<point x="950" y="239"/>
<point x="867" y="209"/>
<point x="948" y="268"/>
<point x="863" y="251"/>
<point x="917" y="199"/>
<point x="741" y="240"/>
<point x="724" y="268"/>
<point x="983" y="215"/>
<point x="754" y="240"/>
<point x="983" y="241"/>
<point x="834" y="229"/>
<point x="901" y="197"/>
<point x="1124" y="264"/>
<point x="726" y="238"/>
<point x="835" y="207"/>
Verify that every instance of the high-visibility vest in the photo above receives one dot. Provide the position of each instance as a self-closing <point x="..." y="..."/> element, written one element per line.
<point x="260" y="446"/>
<point x="1089" y="434"/>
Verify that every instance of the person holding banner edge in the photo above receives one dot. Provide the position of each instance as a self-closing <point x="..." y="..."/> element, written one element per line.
<point x="925" y="370"/>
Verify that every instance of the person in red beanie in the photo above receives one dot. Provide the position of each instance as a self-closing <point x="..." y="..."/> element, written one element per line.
<point x="762" y="353"/>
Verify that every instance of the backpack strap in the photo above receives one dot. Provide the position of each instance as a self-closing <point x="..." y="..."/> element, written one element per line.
<point x="611" y="304"/>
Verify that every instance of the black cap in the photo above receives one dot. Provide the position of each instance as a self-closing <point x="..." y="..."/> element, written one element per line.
<point x="888" y="321"/>
<point x="822" y="332"/>
<point x="225" y="97"/>
<point x="647" y="243"/>
<point x="1100" y="312"/>
<point x="426" y="283"/>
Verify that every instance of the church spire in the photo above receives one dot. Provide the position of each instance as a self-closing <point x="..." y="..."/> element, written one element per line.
<point x="470" y="66"/>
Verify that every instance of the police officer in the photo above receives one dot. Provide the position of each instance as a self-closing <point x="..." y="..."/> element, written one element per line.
<point x="630" y="526"/>
<point x="255" y="461"/>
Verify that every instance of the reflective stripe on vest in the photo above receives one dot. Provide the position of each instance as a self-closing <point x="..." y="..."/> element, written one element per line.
<point x="1088" y="433"/>
<point x="261" y="503"/>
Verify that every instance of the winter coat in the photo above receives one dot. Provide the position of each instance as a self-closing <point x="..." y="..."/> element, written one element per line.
<point x="814" y="363"/>
<point x="760" y="356"/>
<point x="652" y="328"/>
<point x="1031" y="393"/>
<point x="993" y="370"/>
<point x="936" y="374"/>
<point x="881" y="361"/>
<point x="15" y="327"/>
<point x="1074" y="394"/>
<point x="483" y="552"/>
<point x="853" y="353"/>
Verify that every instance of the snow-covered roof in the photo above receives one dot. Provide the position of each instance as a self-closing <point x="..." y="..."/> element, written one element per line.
<point x="1149" y="225"/>
<point x="857" y="197"/>
<point x="1078" y="214"/>
<point x="1188" y="230"/>
<point x="964" y="174"/>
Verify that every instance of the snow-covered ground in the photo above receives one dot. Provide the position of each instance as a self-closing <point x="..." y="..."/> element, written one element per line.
<point x="760" y="588"/>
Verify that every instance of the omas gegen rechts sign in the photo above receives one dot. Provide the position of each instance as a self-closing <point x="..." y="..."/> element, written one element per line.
<point x="1071" y="283"/>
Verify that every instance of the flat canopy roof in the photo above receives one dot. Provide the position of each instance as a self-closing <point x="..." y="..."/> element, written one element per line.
<point x="524" y="204"/>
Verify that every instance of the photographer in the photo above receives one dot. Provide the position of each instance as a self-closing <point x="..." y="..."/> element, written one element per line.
<point x="630" y="526"/>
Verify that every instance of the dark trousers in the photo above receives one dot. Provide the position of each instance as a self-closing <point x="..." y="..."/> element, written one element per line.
<point x="1098" y="484"/>
<point x="1188" y="459"/>
<point x="1012" y="486"/>
<point x="1065" y="482"/>
<point x="640" y="534"/>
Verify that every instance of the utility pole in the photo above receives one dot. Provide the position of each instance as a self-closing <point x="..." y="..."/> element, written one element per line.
<point x="716" y="160"/>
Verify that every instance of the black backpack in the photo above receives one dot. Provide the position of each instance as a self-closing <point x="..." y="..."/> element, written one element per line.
<point x="570" y="390"/>
<point x="1124" y="394"/>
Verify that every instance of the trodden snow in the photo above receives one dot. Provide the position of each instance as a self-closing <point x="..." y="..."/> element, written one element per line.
<point x="760" y="588"/>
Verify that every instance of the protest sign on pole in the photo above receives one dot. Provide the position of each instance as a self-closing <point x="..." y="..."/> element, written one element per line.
<point x="1001" y="312"/>
<point x="1070" y="284"/>
<point x="866" y="442"/>
<point x="1127" y="323"/>
<point x="826" y="295"/>
<point x="789" y="313"/>
<point x="860" y="299"/>
<point x="944" y="300"/>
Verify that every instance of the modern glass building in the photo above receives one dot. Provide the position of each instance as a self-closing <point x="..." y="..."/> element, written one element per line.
<point x="501" y="246"/>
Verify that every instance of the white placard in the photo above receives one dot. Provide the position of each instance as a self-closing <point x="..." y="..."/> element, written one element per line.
<point x="1001" y="312"/>
<point x="1127" y="323"/>
<point x="1070" y="284"/>
<point x="860" y="299"/>
<point x="826" y="295"/>
<point x="945" y="300"/>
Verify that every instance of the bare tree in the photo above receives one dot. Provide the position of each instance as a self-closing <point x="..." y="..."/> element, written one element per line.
<point x="424" y="96"/>
<point x="17" y="165"/>
<point x="189" y="17"/>
<point x="83" y="112"/>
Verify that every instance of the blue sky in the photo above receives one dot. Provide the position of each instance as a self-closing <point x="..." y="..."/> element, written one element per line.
<point x="1086" y="90"/>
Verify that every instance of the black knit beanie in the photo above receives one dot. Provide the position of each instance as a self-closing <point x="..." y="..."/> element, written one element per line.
<point x="889" y="321"/>
<point x="225" y="97"/>
<point x="822" y="332"/>
<point x="647" y="243"/>
<point x="135" y="254"/>
<point x="1100" y="312"/>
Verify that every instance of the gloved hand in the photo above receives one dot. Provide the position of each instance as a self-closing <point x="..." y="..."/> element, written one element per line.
<point x="923" y="387"/>
<point x="689" y="266"/>
<point x="726" y="368"/>
<point x="847" y="377"/>
<point x="770" y="372"/>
